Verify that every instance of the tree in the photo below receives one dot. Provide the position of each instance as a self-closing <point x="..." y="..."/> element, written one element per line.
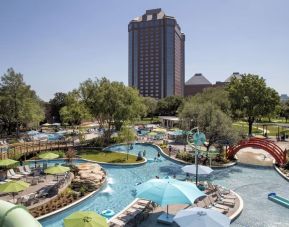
<point x="126" y="135"/>
<point x="218" y="96"/>
<point x="111" y="103"/>
<point x="210" y="120"/>
<point x="75" y="110"/>
<point x="56" y="104"/>
<point x="150" y="105"/>
<point x="285" y="110"/>
<point x="251" y="98"/>
<point x="20" y="105"/>
<point x="169" y="105"/>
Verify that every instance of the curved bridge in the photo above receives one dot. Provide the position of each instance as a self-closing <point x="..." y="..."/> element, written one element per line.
<point x="278" y="154"/>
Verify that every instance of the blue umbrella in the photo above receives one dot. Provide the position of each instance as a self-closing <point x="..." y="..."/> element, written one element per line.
<point x="169" y="191"/>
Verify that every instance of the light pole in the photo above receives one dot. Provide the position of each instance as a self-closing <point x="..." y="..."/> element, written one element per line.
<point x="199" y="138"/>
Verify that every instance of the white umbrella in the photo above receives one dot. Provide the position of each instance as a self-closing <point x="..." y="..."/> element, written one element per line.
<point x="202" y="170"/>
<point x="201" y="217"/>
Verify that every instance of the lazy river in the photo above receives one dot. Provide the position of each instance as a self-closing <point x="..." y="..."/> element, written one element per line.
<point x="252" y="184"/>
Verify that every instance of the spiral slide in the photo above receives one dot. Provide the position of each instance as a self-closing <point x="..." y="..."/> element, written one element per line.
<point x="16" y="216"/>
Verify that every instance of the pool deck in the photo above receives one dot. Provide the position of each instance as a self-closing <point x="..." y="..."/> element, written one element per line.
<point x="152" y="219"/>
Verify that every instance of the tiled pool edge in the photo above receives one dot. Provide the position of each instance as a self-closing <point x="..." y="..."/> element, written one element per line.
<point x="238" y="212"/>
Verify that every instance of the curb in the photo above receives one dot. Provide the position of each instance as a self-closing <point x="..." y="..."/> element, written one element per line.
<point x="238" y="212"/>
<point x="281" y="173"/>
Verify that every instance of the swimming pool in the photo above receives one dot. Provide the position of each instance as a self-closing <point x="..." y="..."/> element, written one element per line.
<point x="252" y="184"/>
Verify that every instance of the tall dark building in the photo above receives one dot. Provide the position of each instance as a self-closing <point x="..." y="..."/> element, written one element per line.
<point x="156" y="55"/>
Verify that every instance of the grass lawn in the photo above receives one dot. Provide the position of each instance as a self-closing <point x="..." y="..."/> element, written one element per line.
<point x="109" y="157"/>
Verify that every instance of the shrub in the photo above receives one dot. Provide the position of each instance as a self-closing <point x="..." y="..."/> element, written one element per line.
<point x="185" y="156"/>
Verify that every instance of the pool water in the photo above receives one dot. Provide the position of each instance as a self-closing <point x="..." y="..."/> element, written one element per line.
<point x="252" y="184"/>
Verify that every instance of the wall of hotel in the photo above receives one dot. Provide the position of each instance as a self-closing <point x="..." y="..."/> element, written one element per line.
<point x="170" y="49"/>
<point x="179" y="64"/>
<point x="130" y="58"/>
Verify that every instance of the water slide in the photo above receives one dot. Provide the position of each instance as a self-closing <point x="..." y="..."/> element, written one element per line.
<point x="16" y="216"/>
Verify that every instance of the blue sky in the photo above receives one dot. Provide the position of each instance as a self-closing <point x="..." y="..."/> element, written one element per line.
<point x="58" y="44"/>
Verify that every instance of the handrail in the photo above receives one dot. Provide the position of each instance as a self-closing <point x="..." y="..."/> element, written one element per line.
<point x="265" y="144"/>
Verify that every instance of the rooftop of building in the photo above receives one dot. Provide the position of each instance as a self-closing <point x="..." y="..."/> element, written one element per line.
<point x="235" y="74"/>
<point x="152" y="14"/>
<point x="198" y="79"/>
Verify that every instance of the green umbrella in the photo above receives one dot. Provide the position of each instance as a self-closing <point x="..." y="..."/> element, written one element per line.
<point x="57" y="169"/>
<point x="13" y="186"/>
<point x="7" y="162"/>
<point x="48" y="155"/>
<point x="85" y="219"/>
<point x="152" y="134"/>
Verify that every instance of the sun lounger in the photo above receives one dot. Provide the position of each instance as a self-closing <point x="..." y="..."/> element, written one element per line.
<point x="27" y="169"/>
<point x="222" y="200"/>
<point x="22" y="171"/>
<point x="214" y="206"/>
<point x="15" y="174"/>
<point x="117" y="222"/>
<point x="10" y="176"/>
<point x="233" y="197"/>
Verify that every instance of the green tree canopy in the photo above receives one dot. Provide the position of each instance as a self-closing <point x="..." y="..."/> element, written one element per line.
<point x="210" y="120"/>
<point x="111" y="103"/>
<point x="285" y="110"/>
<point x="169" y="106"/>
<point x="55" y="104"/>
<point x="20" y="106"/>
<point x="150" y="105"/>
<point x="75" y="110"/>
<point x="251" y="98"/>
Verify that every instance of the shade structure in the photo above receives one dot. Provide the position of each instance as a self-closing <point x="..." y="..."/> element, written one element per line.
<point x="202" y="170"/>
<point x="48" y="155"/>
<point x="13" y="186"/>
<point x="201" y="217"/>
<point x="85" y="219"/>
<point x="169" y="191"/>
<point x="7" y="162"/>
<point x="57" y="169"/>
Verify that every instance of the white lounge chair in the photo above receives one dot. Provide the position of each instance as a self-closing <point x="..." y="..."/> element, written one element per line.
<point x="22" y="171"/>
<point x="15" y="174"/>
<point x="27" y="169"/>
<point x="10" y="176"/>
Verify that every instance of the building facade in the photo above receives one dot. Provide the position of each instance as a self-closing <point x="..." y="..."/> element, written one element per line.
<point x="156" y="55"/>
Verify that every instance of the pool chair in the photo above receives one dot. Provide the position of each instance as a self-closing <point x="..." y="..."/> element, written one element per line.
<point x="226" y="196"/>
<point x="22" y="171"/>
<point x="215" y="206"/>
<point x="11" y="176"/>
<point x="222" y="190"/>
<point x="214" y="203"/>
<point x="220" y="199"/>
<point x="15" y="174"/>
<point x="27" y="169"/>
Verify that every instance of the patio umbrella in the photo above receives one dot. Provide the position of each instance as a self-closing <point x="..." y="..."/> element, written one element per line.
<point x="152" y="134"/>
<point x="169" y="191"/>
<point x="202" y="170"/>
<point x="48" y="155"/>
<point x="85" y="219"/>
<point x="13" y="186"/>
<point x="7" y="162"/>
<point x="57" y="169"/>
<point x="159" y="130"/>
<point x="201" y="217"/>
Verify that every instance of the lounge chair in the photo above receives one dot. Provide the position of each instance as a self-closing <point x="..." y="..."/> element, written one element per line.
<point x="27" y="169"/>
<point x="42" y="192"/>
<point x="214" y="206"/>
<point x="227" y="196"/>
<point x="220" y="199"/>
<point x="10" y="176"/>
<point x="22" y="171"/>
<point x="15" y="174"/>
<point x="117" y="222"/>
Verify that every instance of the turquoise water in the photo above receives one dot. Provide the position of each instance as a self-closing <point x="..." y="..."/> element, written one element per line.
<point x="252" y="184"/>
